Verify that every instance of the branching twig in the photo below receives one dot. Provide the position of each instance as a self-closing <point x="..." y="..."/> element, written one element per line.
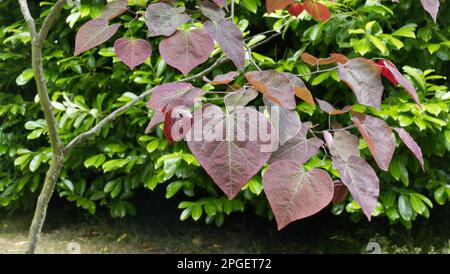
<point x="28" y="18"/>
<point x="49" y="20"/>
<point x="249" y="51"/>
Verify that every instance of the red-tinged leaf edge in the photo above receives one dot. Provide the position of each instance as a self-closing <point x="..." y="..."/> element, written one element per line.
<point x="381" y="142"/>
<point x="411" y="144"/>
<point x="387" y="73"/>
<point x="317" y="10"/>
<point x="390" y="71"/>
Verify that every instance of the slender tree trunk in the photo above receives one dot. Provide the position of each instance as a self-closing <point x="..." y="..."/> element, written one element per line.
<point x="37" y="40"/>
<point x="57" y="147"/>
<point x="43" y="201"/>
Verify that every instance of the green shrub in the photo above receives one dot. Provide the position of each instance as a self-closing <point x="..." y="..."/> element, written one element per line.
<point x="106" y="171"/>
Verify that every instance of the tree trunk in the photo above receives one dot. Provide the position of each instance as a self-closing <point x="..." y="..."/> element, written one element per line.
<point x="43" y="201"/>
<point x="57" y="161"/>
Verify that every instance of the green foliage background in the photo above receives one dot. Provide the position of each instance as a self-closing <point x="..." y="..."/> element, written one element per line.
<point x="105" y="172"/>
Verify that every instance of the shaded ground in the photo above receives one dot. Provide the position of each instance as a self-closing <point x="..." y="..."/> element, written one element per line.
<point x="158" y="230"/>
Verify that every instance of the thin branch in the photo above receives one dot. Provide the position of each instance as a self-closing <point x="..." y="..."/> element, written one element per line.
<point x="262" y="33"/>
<point x="317" y="71"/>
<point x="113" y="115"/>
<point x="49" y="20"/>
<point x="266" y="32"/>
<point x="250" y="57"/>
<point x="85" y="135"/>
<point x="28" y="18"/>
<point x="249" y="51"/>
<point x="265" y="41"/>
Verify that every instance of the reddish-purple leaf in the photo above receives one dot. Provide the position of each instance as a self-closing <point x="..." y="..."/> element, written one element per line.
<point x="294" y="193"/>
<point x="295" y="9"/>
<point x="340" y="192"/>
<point x="286" y="122"/>
<point x="314" y="61"/>
<point x="230" y="39"/>
<point x="157" y="118"/>
<point x="391" y="71"/>
<point x="379" y="138"/>
<point x="225" y="145"/>
<point x="339" y="58"/>
<point x="222" y="3"/>
<point x="387" y="73"/>
<point x="132" y="52"/>
<point x="93" y="33"/>
<point x="364" y="78"/>
<point x="177" y="123"/>
<point x="211" y="10"/>
<point x="240" y="98"/>
<point x="361" y="180"/>
<point x="163" y="19"/>
<point x="328" y="108"/>
<point x="342" y="144"/>
<point x="432" y="7"/>
<point x="275" y="85"/>
<point x="298" y="149"/>
<point x="222" y="79"/>
<point x="411" y="144"/>
<point x="317" y="10"/>
<point x="273" y="5"/>
<point x="114" y="9"/>
<point x="175" y="93"/>
<point x="186" y="49"/>
<point x="300" y="89"/>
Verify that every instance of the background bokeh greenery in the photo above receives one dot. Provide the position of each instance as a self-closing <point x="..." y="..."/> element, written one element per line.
<point x="105" y="172"/>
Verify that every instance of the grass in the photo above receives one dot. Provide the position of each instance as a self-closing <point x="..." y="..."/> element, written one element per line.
<point x="157" y="230"/>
